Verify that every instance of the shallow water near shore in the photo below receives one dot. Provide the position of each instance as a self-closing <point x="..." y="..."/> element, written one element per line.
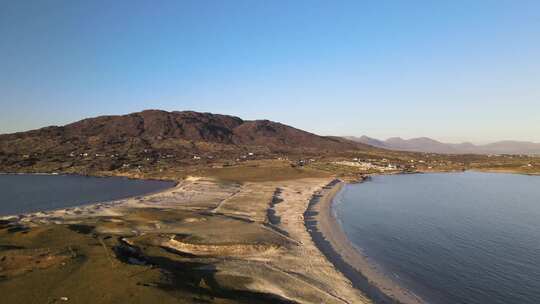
<point x="450" y="237"/>
<point x="23" y="193"/>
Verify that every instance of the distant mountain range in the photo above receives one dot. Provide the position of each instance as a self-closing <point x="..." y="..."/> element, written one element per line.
<point x="425" y="144"/>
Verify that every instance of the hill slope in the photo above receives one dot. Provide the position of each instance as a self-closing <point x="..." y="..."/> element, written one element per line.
<point x="110" y="141"/>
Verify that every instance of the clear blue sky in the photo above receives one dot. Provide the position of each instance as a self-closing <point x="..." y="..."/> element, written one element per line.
<point x="451" y="70"/>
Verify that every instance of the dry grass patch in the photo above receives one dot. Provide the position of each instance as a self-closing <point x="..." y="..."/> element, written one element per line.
<point x="262" y="172"/>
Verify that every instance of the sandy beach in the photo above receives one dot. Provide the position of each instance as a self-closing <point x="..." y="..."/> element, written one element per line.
<point x="248" y="241"/>
<point x="332" y="241"/>
<point x="206" y="240"/>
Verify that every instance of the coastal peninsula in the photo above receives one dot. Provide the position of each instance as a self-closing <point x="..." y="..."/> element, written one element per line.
<point x="203" y="240"/>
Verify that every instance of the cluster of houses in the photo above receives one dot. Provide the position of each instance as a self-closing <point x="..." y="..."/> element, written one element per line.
<point x="302" y="162"/>
<point x="75" y="154"/>
<point x="383" y="165"/>
<point x="150" y="155"/>
<point x="146" y="151"/>
<point x="243" y="157"/>
<point x="379" y="165"/>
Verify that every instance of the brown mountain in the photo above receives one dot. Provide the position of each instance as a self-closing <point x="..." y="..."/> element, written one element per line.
<point x="425" y="144"/>
<point x="107" y="142"/>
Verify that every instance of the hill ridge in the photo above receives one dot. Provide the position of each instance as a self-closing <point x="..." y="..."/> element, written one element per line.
<point x="426" y="144"/>
<point x="153" y="134"/>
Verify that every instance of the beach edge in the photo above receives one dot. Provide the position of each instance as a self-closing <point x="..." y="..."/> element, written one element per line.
<point x="329" y="237"/>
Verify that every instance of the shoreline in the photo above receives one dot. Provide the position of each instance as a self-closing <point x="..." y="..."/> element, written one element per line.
<point x="284" y="265"/>
<point x="89" y="175"/>
<point x="330" y="239"/>
<point x="110" y="202"/>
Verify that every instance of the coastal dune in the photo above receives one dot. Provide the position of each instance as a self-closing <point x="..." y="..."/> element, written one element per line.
<point x="202" y="241"/>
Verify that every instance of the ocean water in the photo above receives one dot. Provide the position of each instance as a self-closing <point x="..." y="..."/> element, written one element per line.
<point x="29" y="193"/>
<point x="452" y="237"/>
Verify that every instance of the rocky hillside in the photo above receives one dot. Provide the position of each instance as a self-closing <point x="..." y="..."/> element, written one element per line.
<point x="109" y="142"/>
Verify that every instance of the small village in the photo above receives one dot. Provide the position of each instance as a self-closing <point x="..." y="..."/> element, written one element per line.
<point x="148" y="161"/>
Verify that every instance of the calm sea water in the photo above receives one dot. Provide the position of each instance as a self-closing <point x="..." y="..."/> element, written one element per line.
<point x="450" y="238"/>
<point x="29" y="193"/>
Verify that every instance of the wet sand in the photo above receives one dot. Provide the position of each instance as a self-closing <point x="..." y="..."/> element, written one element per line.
<point x="330" y="238"/>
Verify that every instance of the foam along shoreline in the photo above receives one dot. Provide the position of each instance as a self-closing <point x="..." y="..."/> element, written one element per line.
<point x="331" y="240"/>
